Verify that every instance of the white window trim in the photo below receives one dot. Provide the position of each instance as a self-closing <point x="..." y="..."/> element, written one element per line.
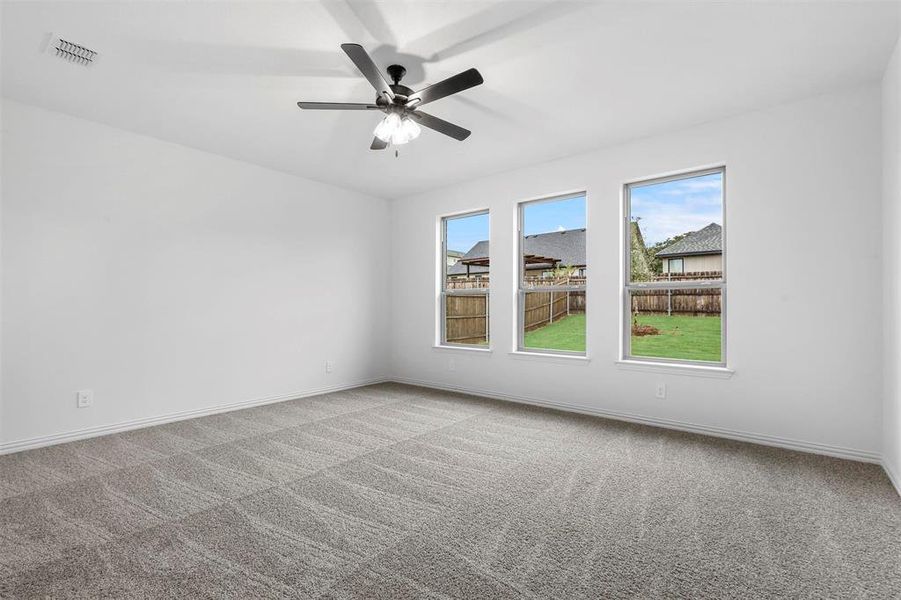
<point x="440" y="342"/>
<point x="519" y="348"/>
<point x="551" y="357"/>
<point x="626" y="359"/>
<point x="671" y="368"/>
<point x="462" y="348"/>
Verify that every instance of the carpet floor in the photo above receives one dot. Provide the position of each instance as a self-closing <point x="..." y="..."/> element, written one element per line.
<point x="393" y="491"/>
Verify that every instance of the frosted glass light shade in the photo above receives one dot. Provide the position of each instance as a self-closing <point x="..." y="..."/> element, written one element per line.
<point x="407" y="131"/>
<point x="397" y="131"/>
<point x="387" y="126"/>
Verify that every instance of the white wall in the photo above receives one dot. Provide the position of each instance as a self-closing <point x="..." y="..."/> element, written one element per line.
<point x="804" y="340"/>
<point x="891" y="147"/>
<point x="167" y="279"/>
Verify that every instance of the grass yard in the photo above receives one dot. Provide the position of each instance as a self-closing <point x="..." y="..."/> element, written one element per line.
<point x="686" y="338"/>
<point x="682" y="337"/>
<point x="566" y="334"/>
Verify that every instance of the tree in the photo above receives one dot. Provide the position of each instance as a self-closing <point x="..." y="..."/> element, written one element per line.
<point x="563" y="271"/>
<point x="656" y="264"/>
<point x="640" y="266"/>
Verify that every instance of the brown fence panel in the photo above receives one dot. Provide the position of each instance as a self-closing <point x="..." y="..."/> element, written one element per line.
<point x="560" y="303"/>
<point x="545" y="307"/>
<point x="537" y="310"/>
<point x="577" y="302"/>
<point x="466" y="319"/>
<point x="460" y="283"/>
<point x="678" y="302"/>
<point x="467" y="316"/>
<point x="689" y="276"/>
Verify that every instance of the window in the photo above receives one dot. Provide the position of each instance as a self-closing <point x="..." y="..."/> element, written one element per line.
<point x="675" y="290"/>
<point x="552" y="275"/>
<point x="675" y="265"/>
<point x="463" y="302"/>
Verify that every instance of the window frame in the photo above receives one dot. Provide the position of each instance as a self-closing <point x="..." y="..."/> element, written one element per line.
<point x="669" y="265"/>
<point x="443" y="292"/>
<point x="521" y="290"/>
<point x="628" y="286"/>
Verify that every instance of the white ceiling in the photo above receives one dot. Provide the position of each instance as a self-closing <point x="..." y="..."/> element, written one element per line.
<point x="559" y="77"/>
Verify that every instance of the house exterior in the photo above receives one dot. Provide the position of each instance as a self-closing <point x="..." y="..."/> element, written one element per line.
<point x="453" y="256"/>
<point x="700" y="250"/>
<point x="543" y="253"/>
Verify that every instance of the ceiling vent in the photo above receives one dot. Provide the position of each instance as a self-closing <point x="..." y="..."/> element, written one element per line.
<point x="70" y="51"/>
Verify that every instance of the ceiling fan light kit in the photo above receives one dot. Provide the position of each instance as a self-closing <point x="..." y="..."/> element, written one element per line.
<point x="400" y="103"/>
<point x="396" y="130"/>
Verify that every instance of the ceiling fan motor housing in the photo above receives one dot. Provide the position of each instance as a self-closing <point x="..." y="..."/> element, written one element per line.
<point x="397" y="100"/>
<point x="396" y="72"/>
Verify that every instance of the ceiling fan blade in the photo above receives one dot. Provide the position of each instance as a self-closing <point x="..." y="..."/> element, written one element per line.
<point x="378" y="144"/>
<point x="336" y="106"/>
<point x="371" y="72"/>
<point x="451" y="85"/>
<point x="440" y="125"/>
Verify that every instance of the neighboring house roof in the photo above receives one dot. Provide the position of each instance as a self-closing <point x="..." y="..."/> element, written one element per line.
<point x="705" y="241"/>
<point x="455" y="253"/>
<point x="567" y="247"/>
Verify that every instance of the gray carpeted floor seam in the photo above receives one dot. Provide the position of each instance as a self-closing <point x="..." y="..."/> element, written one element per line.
<point x="234" y="499"/>
<point x="116" y="468"/>
<point x="413" y="534"/>
<point x="417" y="533"/>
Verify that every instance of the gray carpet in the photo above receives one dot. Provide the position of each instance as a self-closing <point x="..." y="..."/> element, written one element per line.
<point x="392" y="491"/>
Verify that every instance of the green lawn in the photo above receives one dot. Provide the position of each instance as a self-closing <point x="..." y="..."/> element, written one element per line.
<point x="687" y="338"/>
<point x="566" y="334"/>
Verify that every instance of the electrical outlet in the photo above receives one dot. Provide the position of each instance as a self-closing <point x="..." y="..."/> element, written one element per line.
<point x="329" y="366"/>
<point x="84" y="398"/>
<point x="451" y="364"/>
<point x="661" y="391"/>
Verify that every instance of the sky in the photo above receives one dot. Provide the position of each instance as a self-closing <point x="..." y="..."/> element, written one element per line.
<point x="665" y="210"/>
<point x="674" y="207"/>
<point x="540" y="217"/>
<point x="464" y="232"/>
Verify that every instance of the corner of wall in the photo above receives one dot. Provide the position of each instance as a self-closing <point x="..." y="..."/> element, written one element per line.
<point x="891" y="256"/>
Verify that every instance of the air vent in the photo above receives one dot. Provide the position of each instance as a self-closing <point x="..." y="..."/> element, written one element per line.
<point x="70" y="51"/>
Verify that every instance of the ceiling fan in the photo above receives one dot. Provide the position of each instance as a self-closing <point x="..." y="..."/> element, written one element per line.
<point x="400" y="103"/>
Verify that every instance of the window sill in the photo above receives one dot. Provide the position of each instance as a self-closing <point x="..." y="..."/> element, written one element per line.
<point x="574" y="359"/>
<point x="462" y="349"/>
<point x="676" y="369"/>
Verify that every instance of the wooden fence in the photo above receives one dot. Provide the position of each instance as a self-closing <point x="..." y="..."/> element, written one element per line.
<point x="466" y="319"/>
<point x="482" y="282"/>
<point x="698" y="302"/>
<point x="689" y="276"/>
<point x="467" y="316"/>
<point x="543" y="308"/>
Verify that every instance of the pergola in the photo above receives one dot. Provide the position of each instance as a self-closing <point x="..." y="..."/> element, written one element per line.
<point x="528" y="259"/>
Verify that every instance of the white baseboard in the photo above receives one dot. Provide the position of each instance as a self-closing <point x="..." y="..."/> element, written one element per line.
<point x="756" y="438"/>
<point x="89" y="432"/>
<point x="743" y="436"/>
<point x="893" y="477"/>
